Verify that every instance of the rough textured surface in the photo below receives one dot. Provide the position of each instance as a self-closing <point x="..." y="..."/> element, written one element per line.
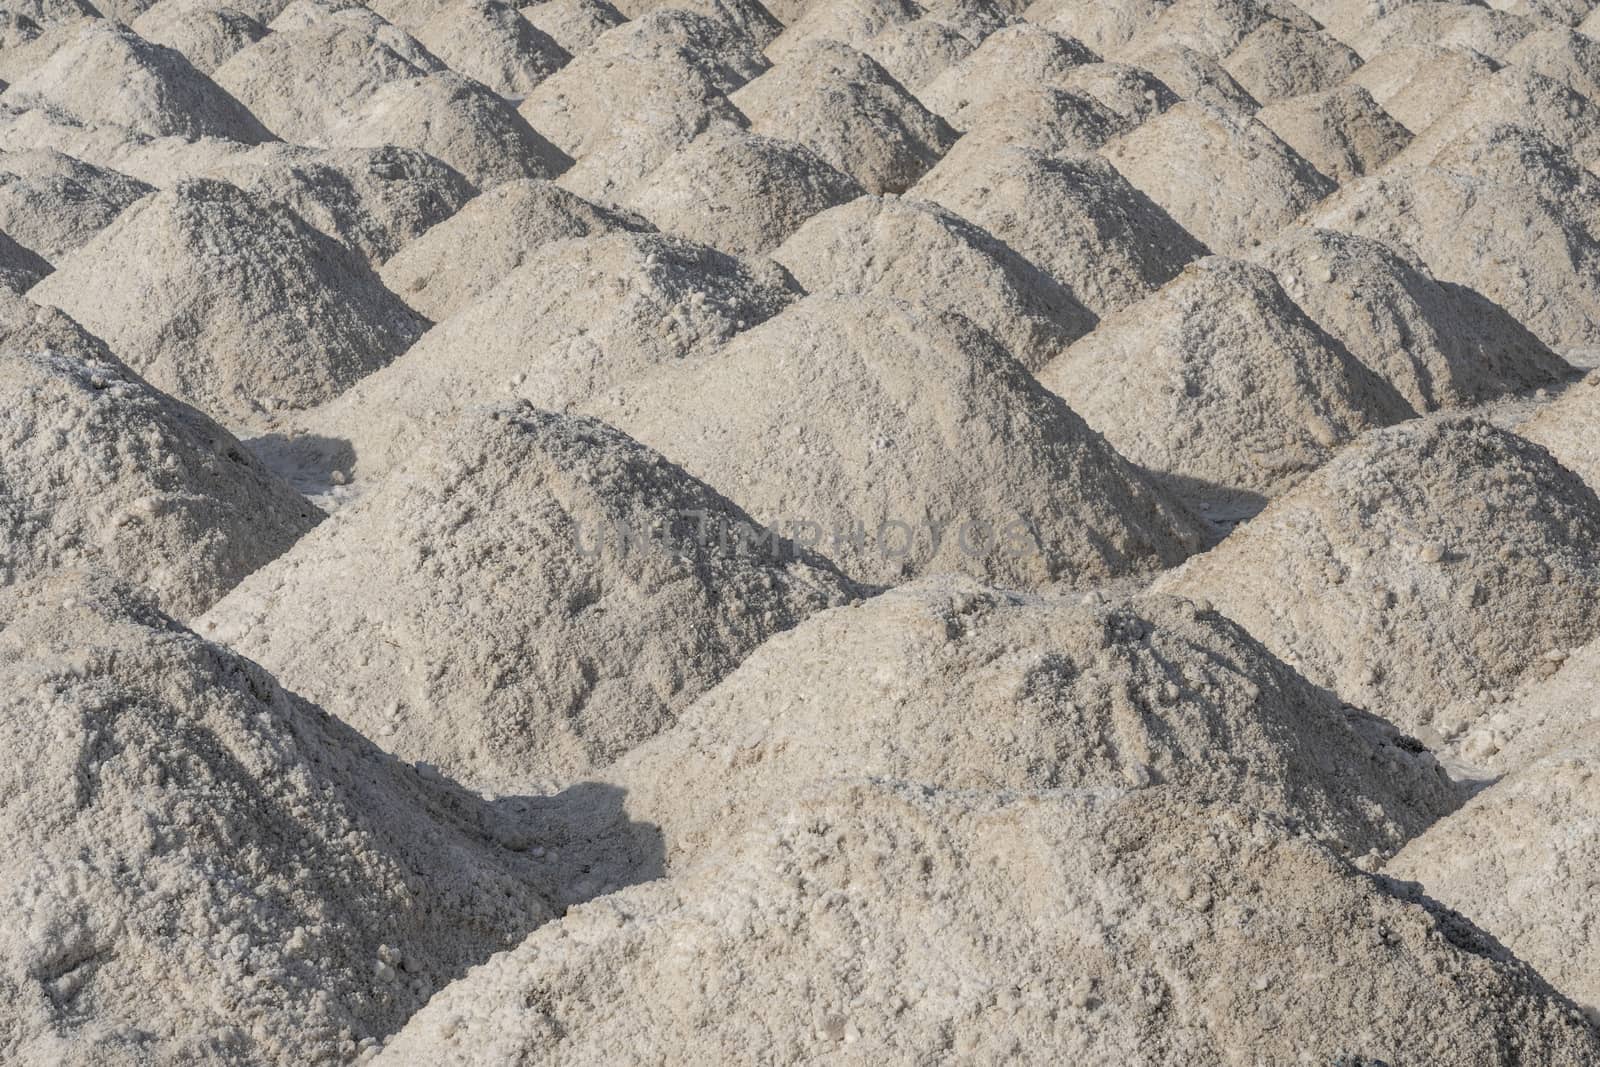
<point x="207" y="32"/>
<point x="530" y="650"/>
<point x="1342" y="132"/>
<point x="1105" y="928"/>
<point x="188" y="817"/>
<point x="97" y="468"/>
<point x="946" y="453"/>
<point x="1418" y="572"/>
<point x="52" y="203"/>
<point x="1570" y="429"/>
<point x="235" y="305"/>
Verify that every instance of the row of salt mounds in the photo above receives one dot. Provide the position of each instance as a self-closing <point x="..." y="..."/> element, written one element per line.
<point x="1519" y="860"/>
<point x="52" y="203"/>
<point x="849" y="111"/>
<point x="918" y="431"/>
<point x="231" y="304"/>
<point x="1440" y="346"/>
<point x="1076" y="217"/>
<point x="136" y="84"/>
<point x="1508" y="215"/>
<point x="765" y="189"/>
<point x="579" y="317"/>
<point x="949" y="682"/>
<point x="528" y="630"/>
<point x="919" y="252"/>
<point x="1002" y="927"/>
<point x="503" y="227"/>
<point x="1221" y="384"/>
<point x="201" y="867"/>
<point x="98" y="468"/>
<point x="349" y="79"/>
<point x="673" y="70"/>
<point x="1425" y="567"/>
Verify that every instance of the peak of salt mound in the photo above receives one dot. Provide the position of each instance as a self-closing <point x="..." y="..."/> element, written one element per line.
<point x="207" y="32"/>
<point x="1104" y="27"/>
<point x="1418" y="84"/>
<point x="1052" y="121"/>
<point x="46" y="13"/>
<point x="1017" y="56"/>
<point x="373" y="200"/>
<point x="489" y="41"/>
<point x="1513" y="97"/>
<point x="230" y="303"/>
<point x="573" y="24"/>
<point x="1054" y="927"/>
<point x="502" y="227"/>
<point x="915" y="427"/>
<point x="1342" y="132"/>
<point x="766" y="188"/>
<point x="319" y="64"/>
<point x="1519" y="231"/>
<point x="1215" y="28"/>
<point x="949" y="683"/>
<point x="202" y="867"/>
<point x="749" y="19"/>
<point x="106" y="73"/>
<point x="1439" y="346"/>
<point x="1425" y="566"/>
<point x="53" y="203"/>
<point x="1517" y="861"/>
<point x="1133" y="94"/>
<point x="914" y="53"/>
<point x="1564" y="56"/>
<point x="1074" y="216"/>
<point x="1195" y="77"/>
<point x="1226" y="179"/>
<point x="977" y="19"/>
<point x="1477" y="27"/>
<point x="1567" y="428"/>
<point x="1221" y="384"/>
<point x="672" y="71"/>
<point x="1279" y="60"/>
<point x="579" y="316"/>
<point x="97" y="468"/>
<point x="531" y="633"/>
<point x="919" y="252"/>
<point x="853" y="23"/>
<point x="456" y="120"/>
<point x="848" y="110"/>
<point x="20" y="268"/>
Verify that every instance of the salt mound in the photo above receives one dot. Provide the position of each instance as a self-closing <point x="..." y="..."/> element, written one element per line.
<point x="914" y="53"/>
<point x="373" y="200"/>
<point x="578" y="317"/>
<point x="948" y="682"/>
<point x="229" y="303"/>
<point x="319" y="64"/>
<point x="921" y="253"/>
<point x="749" y="19"/>
<point x="1439" y="346"/>
<point x="1567" y="428"/>
<point x="575" y="25"/>
<point x="1076" y="217"/>
<point x="1420" y="84"/>
<point x="526" y="635"/>
<point x="1017" y="56"/>
<point x="1552" y="708"/>
<point x="1342" y="132"/>
<point x="1279" y="60"/>
<point x="502" y="227"/>
<point x="853" y="23"/>
<point x="1059" y="927"/>
<point x="1221" y="384"/>
<point x="1518" y="861"/>
<point x="1425" y="565"/>
<point x="845" y="108"/>
<point x="766" y="189"/>
<point x="1104" y="27"/>
<point x="1196" y="77"/>
<point x="202" y="867"/>
<point x="1216" y="28"/>
<point x="1054" y="122"/>
<point x="924" y="447"/>
<point x="456" y="120"/>
<point x="20" y="268"/>
<point x="207" y="32"/>
<point x="672" y="70"/>
<point x="108" y="74"/>
<point x="1564" y="56"/>
<point x="489" y="41"/>
<point x="1519" y="98"/>
<point x="98" y="468"/>
<point x="1519" y="241"/>
<point x="1225" y="179"/>
<point x="1133" y="94"/>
